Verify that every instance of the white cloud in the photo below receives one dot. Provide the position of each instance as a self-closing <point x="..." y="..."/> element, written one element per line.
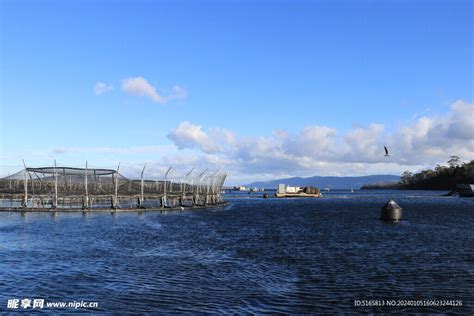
<point x="187" y="135"/>
<point x="222" y="135"/>
<point x="101" y="88"/>
<point x="431" y="139"/>
<point x="139" y="86"/>
<point x="365" y="144"/>
<point x="312" y="141"/>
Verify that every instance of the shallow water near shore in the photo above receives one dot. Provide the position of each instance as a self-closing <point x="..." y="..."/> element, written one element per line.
<point x="249" y="256"/>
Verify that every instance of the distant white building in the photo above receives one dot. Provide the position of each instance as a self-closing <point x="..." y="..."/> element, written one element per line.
<point x="283" y="188"/>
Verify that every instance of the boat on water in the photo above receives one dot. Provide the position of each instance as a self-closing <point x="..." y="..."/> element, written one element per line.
<point x="241" y="188"/>
<point x="285" y="191"/>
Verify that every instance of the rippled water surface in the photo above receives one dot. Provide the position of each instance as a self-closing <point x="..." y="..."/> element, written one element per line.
<point x="250" y="256"/>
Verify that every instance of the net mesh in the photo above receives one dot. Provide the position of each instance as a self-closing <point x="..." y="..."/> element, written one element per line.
<point x="69" y="187"/>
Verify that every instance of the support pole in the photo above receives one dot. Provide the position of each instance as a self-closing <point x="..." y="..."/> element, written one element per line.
<point x="222" y="184"/>
<point x="142" y="197"/>
<point x="25" y="183"/>
<point x="198" y="187"/>
<point x="192" y="191"/>
<point x="85" y="204"/>
<point x="166" y="176"/>
<point x="55" y="199"/>
<point x="201" y="177"/>
<point x="187" y="182"/>
<point x="115" y="202"/>
<point x="163" y="199"/>
<point x="210" y="187"/>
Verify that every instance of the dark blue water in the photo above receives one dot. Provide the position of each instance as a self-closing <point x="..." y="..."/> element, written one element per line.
<point x="250" y="256"/>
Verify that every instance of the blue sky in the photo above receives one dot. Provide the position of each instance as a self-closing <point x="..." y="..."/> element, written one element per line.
<point x="261" y="88"/>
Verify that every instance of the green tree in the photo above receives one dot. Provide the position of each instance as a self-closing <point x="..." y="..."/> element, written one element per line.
<point x="454" y="162"/>
<point x="406" y="177"/>
<point x="439" y="168"/>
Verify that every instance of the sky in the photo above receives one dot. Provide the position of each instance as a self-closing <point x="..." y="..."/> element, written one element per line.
<point x="260" y="89"/>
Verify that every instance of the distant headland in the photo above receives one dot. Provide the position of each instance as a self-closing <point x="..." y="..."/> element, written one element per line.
<point x="441" y="178"/>
<point x="327" y="182"/>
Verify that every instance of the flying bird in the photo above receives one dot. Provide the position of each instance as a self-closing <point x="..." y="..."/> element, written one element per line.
<point x="386" y="151"/>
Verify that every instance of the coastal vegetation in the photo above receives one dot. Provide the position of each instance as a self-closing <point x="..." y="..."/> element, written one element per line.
<point x="442" y="177"/>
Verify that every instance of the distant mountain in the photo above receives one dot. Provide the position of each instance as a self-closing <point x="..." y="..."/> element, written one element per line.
<point x="327" y="182"/>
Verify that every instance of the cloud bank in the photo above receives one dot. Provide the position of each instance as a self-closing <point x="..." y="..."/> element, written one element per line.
<point x="188" y="135"/>
<point x="322" y="150"/>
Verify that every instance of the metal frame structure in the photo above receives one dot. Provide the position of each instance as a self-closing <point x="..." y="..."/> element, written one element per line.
<point x="68" y="188"/>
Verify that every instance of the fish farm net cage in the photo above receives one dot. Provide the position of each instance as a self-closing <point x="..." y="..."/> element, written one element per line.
<point x="61" y="187"/>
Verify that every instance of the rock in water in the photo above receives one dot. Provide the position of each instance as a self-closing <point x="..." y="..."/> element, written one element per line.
<point x="391" y="211"/>
<point x="311" y="190"/>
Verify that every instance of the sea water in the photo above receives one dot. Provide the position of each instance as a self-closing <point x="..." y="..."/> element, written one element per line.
<point x="252" y="255"/>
